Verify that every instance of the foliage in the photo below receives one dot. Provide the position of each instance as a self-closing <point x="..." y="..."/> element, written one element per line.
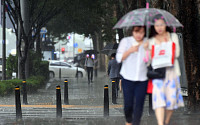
<point x="33" y="83"/>
<point x="36" y="13"/>
<point x="85" y="17"/>
<point x="38" y="67"/>
<point x="41" y="68"/>
<point x="11" y="65"/>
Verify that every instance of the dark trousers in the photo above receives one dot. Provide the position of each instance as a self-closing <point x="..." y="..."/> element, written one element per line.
<point x="134" y="96"/>
<point x="90" y="73"/>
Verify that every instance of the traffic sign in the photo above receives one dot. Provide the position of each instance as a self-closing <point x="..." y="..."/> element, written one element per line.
<point x="75" y="45"/>
<point x="68" y="37"/>
<point x="80" y="50"/>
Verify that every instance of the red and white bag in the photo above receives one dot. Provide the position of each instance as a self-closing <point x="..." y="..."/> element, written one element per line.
<point x="163" y="55"/>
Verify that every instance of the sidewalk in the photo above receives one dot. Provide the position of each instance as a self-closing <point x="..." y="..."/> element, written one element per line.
<point x="85" y="106"/>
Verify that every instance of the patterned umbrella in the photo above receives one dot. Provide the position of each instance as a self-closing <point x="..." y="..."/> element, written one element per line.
<point x="144" y="16"/>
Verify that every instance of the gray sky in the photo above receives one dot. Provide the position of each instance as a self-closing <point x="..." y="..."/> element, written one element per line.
<point x="8" y="22"/>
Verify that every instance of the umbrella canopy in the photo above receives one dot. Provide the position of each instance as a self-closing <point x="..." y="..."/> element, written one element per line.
<point x="91" y="52"/>
<point x="144" y="16"/>
<point x="110" y="48"/>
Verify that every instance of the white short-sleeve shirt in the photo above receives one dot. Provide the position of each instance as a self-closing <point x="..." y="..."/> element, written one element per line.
<point x="133" y="67"/>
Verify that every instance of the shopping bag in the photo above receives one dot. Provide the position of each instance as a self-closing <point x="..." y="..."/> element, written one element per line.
<point x="150" y="86"/>
<point x="163" y="55"/>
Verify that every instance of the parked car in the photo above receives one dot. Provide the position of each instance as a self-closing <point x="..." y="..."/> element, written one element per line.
<point x="67" y="70"/>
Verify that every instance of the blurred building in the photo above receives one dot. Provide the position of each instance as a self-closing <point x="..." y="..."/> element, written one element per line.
<point x="10" y="42"/>
<point x="73" y="44"/>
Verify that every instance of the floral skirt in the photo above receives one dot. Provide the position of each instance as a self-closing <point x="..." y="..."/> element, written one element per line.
<point x="167" y="92"/>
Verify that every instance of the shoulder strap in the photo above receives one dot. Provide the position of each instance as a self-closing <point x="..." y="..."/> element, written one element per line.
<point x="152" y="51"/>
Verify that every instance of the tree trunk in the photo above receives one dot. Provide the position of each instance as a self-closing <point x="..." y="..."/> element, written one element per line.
<point x="18" y="51"/>
<point x="189" y="18"/>
<point x="21" y="70"/>
<point x="100" y="47"/>
<point x="27" y="65"/>
<point x="94" y="41"/>
<point x="38" y="47"/>
<point x="25" y="17"/>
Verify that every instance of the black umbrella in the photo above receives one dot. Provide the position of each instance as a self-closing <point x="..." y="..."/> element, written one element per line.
<point x="91" y="52"/>
<point x="110" y="48"/>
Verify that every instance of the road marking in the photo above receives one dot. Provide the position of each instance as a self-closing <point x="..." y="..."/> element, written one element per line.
<point x="63" y="106"/>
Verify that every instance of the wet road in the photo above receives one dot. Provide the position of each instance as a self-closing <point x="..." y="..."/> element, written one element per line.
<point x="85" y="106"/>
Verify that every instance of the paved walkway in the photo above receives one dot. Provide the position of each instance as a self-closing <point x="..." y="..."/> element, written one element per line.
<point x="85" y="106"/>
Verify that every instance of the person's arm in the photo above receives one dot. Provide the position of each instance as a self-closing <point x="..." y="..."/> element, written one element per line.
<point x="122" y="52"/>
<point x="146" y="45"/>
<point x="109" y="67"/>
<point x="93" y="63"/>
<point x="85" y="62"/>
<point x="129" y="51"/>
<point x="120" y="85"/>
<point x="150" y="43"/>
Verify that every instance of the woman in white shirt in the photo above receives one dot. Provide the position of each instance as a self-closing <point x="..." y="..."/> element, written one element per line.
<point x="166" y="95"/>
<point x="134" y="82"/>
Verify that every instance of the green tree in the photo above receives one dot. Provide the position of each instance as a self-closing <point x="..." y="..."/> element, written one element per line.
<point x="11" y="65"/>
<point x="88" y="17"/>
<point x="39" y="13"/>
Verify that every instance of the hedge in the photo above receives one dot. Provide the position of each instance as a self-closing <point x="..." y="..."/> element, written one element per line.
<point x="33" y="83"/>
<point x="37" y="67"/>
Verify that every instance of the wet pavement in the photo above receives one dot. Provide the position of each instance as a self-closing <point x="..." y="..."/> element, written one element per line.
<point x="85" y="106"/>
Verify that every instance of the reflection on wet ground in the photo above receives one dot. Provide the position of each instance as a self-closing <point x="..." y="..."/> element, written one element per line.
<point x="85" y="106"/>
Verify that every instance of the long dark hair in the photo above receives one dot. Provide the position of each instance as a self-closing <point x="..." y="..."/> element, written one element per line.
<point x="153" y="31"/>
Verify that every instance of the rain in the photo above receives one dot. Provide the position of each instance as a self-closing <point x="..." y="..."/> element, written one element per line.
<point x="44" y="51"/>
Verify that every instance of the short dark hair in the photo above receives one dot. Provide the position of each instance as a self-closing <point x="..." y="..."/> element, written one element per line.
<point x="153" y="31"/>
<point x="113" y="55"/>
<point x="137" y="29"/>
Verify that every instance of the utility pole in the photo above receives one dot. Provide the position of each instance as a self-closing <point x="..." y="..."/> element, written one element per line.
<point x="4" y="43"/>
<point x="73" y="44"/>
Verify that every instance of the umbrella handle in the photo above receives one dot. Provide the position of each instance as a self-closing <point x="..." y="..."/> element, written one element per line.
<point x="174" y="29"/>
<point x="147" y="5"/>
<point x="147" y="29"/>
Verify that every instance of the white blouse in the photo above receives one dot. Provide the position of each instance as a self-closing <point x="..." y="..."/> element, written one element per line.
<point x="133" y="67"/>
<point x="174" y="38"/>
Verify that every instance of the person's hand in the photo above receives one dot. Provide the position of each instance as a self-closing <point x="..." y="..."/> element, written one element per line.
<point x="146" y="45"/>
<point x="120" y="85"/>
<point x="133" y="49"/>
